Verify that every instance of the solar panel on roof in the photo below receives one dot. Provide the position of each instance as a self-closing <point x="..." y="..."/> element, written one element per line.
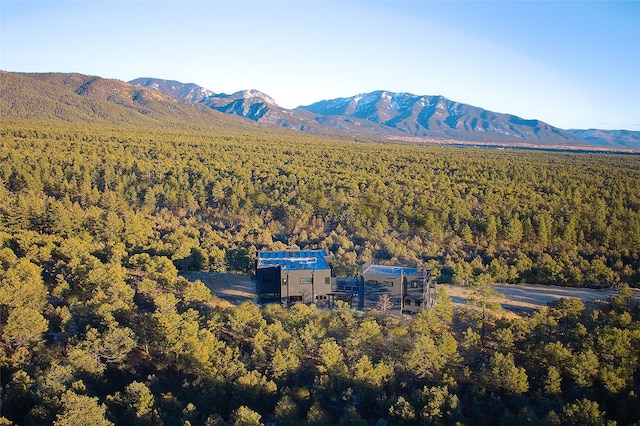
<point x="294" y="260"/>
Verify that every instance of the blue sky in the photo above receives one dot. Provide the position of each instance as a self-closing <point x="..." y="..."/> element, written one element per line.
<point x="572" y="64"/>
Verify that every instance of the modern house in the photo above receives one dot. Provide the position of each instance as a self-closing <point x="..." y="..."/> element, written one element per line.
<point x="293" y="276"/>
<point x="409" y="289"/>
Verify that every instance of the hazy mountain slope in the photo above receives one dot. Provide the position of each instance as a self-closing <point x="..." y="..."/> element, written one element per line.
<point x="377" y="114"/>
<point x="609" y="138"/>
<point x="250" y="104"/>
<point x="439" y="117"/>
<point x="257" y="106"/>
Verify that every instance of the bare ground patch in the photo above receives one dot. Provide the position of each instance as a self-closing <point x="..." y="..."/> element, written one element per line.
<point x="524" y="298"/>
<point x="235" y="288"/>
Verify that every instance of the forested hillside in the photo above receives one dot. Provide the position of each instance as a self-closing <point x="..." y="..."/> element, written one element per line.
<point x="89" y="100"/>
<point x="207" y="201"/>
<point x="97" y="326"/>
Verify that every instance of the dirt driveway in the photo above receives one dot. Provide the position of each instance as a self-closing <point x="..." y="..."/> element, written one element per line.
<point x="523" y="298"/>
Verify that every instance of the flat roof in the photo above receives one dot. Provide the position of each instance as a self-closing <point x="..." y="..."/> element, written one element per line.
<point x="392" y="271"/>
<point x="293" y="260"/>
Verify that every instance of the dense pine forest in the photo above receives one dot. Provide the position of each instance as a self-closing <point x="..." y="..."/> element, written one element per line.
<point x="98" y="327"/>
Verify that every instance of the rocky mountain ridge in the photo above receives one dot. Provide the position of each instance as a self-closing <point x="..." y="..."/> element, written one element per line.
<point x="408" y="117"/>
<point x="437" y="116"/>
<point x="377" y="115"/>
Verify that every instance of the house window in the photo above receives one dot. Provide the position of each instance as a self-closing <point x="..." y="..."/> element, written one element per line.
<point x="414" y="284"/>
<point x="387" y="283"/>
<point x="306" y="280"/>
<point x="372" y="282"/>
<point x="284" y="281"/>
<point x="327" y="280"/>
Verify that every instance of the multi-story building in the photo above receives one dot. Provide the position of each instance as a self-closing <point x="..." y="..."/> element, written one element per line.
<point x="293" y="276"/>
<point x="409" y="289"/>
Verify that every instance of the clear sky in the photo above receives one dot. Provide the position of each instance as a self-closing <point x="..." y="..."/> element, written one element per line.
<point x="572" y="64"/>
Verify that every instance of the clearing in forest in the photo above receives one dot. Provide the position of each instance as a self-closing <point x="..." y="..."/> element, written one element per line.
<point x="518" y="298"/>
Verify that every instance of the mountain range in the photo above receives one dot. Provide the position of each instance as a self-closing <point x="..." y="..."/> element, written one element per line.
<point x="379" y="115"/>
<point x="397" y="115"/>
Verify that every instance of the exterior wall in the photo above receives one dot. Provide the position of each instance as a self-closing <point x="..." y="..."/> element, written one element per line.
<point x="377" y="285"/>
<point x="414" y="296"/>
<point x="303" y="285"/>
<point x="390" y="284"/>
<point x="322" y="285"/>
<point x="406" y="290"/>
<point x="268" y="283"/>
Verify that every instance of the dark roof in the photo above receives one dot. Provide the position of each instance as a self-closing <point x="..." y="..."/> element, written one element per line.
<point x="293" y="260"/>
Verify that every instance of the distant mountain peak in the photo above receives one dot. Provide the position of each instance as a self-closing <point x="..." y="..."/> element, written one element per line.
<point x="189" y="91"/>
<point x="256" y="95"/>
